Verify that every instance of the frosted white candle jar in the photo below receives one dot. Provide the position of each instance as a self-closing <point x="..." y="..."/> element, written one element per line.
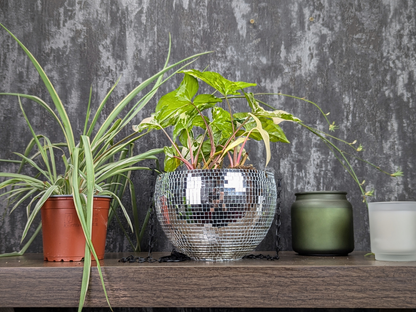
<point x="393" y="230"/>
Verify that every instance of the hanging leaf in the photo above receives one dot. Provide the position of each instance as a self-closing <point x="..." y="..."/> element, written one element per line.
<point x="277" y="115"/>
<point x="265" y="137"/>
<point x="148" y="123"/>
<point x="276" y="133"/>
<point x="235" y="143"/>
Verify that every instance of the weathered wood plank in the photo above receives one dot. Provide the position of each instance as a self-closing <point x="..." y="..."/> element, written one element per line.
<point x="293" y="281"/>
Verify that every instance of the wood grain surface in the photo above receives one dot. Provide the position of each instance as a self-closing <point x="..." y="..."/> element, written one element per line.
<point x="293" y="281"/>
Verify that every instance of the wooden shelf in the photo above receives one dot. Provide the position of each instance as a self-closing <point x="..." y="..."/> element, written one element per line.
<point x="293" y="281"/>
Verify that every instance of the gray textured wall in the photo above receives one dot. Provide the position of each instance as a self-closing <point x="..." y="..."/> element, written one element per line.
<point x="355" y="58"/>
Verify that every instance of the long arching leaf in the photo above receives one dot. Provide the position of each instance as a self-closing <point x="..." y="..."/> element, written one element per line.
<point x="265" y="137"/>
<point x="86" y="219"/>
<point x="100" y="108"/>
<point x="35" y="137"/>
<point x="47" y="193"/>
<point x="40" y="102"/>
<point x="55" y="98"/>
<point x="20" y="177"/>
<point x="115" y="113"/>
<point x="26" y="246"/>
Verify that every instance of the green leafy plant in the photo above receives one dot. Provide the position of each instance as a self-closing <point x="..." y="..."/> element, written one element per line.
<point x="225" y="135"/>
<point x="207" y="136"/>
<point x="98" y="164"/>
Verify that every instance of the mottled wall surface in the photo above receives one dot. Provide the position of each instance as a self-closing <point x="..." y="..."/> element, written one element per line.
<point x="355" y="58"/>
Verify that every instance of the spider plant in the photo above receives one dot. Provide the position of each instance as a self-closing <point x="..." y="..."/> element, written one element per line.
<point x="97" y="164"/>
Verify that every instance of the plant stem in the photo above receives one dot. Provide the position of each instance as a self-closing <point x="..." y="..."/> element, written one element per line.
<point x="200" y="147"/>
<point x="231" y="113"/>
<point x="244" y="159"/>
<point x="181" y="158"/>
<point x="229" y="140"/>
<point x="231" y="160"/>
<point x="187" y="164"/>
<point x="242" y="147"/>
<point x="331" y="146"/>
<point x="191" y="153"/>
<point x="210" y="134"/>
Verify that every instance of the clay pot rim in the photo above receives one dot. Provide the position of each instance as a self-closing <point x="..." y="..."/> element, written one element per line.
<point x="71" y="196"/>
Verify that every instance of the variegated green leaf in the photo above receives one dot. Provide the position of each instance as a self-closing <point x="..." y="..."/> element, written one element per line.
<point x="218" y="82"/>
<point x="265" y="137"/>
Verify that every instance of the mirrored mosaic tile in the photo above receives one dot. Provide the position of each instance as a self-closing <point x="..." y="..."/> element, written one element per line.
<point x="216" y="215"/>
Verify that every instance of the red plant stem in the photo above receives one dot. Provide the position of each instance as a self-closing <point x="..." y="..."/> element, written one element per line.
<point x="181" y="158"/>
<point x="242" y="147"/>
<point x="229" y="140"/>
<point x="187" y="164"/>
<point x="231" y="160"/>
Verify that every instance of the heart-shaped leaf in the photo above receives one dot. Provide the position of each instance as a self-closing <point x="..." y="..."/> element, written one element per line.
<point x="218" y="82"/>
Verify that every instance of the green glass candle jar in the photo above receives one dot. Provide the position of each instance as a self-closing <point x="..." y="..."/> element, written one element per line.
<point x="322" y="224"/>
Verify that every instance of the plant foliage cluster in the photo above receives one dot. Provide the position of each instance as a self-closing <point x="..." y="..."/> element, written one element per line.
<point x="223" y="133"/>
<point x="98" y="163"/>
<point x="203" y="135"/>
<point x="207" y="136"/>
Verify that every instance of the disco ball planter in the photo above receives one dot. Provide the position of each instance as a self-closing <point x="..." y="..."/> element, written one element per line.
<point x="216" y="215"/>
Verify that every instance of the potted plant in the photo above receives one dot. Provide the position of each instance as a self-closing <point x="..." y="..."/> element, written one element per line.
<point x="219" y="208"/>
<point x="208" y="212"/>
<point x="96" y="165"/>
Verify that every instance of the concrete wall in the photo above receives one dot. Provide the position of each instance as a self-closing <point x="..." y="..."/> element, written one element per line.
<point x="354" y="58"/>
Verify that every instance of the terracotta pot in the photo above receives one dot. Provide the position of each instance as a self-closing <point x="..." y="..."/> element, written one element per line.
<point x="63" y="239"/>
